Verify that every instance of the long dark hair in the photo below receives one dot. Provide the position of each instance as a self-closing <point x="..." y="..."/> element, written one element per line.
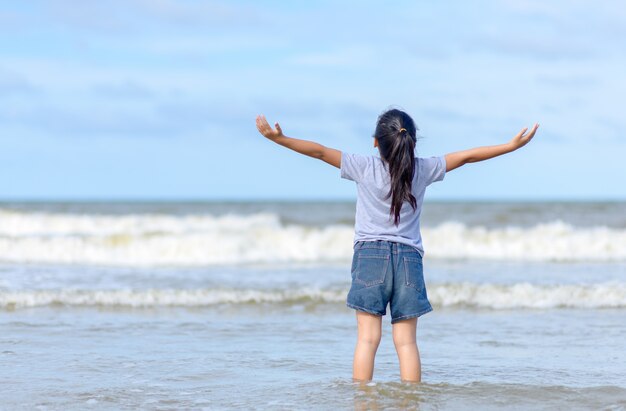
<point x="396" y="134"/>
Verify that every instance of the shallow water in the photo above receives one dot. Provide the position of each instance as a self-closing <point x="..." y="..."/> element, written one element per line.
<point x="172" y="322"/>
<point x="297" y="356"/>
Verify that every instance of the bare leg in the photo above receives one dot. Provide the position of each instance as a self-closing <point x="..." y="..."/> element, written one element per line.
<point x="366" y="345"/>
<point x="406" y="347"/>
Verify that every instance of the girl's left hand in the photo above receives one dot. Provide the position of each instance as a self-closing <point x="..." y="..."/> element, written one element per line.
<point x="264" y="128"/>
<point x="521" y="139"/>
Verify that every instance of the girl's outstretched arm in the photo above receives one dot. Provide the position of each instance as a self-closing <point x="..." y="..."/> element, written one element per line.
<point x="309" y="148"/>
<point x="459" y="158"/>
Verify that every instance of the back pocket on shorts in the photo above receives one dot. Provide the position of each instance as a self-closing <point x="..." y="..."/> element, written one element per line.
<point x="414" y="273"/>
<point x="371" y="266"/>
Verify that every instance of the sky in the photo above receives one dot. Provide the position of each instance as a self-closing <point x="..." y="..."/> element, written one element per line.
<point x="156" y="99"/>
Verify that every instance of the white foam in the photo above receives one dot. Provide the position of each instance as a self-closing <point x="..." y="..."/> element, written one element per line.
<point x="162" y="297"/>
<point x="161" y="239"/>
<point x="141" y="240"/>
<point x="525" y="295"/>
<point x="555" y="241"/>
<point x="487" y="296"/>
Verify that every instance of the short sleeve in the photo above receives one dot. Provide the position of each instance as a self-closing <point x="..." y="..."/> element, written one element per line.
<point x="433" y="169"/>
<point x="353" y="166"/>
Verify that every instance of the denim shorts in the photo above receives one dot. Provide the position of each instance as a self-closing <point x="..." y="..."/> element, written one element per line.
<point x="387" y="272"/>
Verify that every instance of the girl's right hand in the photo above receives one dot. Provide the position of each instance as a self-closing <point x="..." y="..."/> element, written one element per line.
<point x="522" y="139"/>
<point x="264" y="128"/>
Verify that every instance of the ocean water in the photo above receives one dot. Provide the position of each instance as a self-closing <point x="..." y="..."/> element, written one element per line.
<point x="241" y="305"/>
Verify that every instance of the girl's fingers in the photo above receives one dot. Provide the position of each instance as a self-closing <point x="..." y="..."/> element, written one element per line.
<point x="521" y="133"/>
<point x="262" y="123"/>
<point x="264" y="128"/>
<point x="259" y="123"/>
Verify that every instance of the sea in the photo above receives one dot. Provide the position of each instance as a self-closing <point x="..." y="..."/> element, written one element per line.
<point x="213" y="305"/>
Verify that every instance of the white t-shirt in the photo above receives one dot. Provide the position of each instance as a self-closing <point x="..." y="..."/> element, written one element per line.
<point x="373" y="221"/>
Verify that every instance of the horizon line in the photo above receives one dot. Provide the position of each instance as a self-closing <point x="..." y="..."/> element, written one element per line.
<point x="297" y="200"/>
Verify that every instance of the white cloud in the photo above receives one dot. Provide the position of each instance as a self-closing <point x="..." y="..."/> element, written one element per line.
<point x="472" y="73"/>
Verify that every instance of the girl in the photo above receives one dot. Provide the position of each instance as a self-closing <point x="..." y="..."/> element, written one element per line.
<point x="387" y="259"/>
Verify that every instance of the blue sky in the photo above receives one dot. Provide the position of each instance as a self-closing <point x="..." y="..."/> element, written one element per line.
<point x="156" y="99"/>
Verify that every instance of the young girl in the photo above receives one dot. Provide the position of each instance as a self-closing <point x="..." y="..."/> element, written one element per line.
<point x="387" y="260"/>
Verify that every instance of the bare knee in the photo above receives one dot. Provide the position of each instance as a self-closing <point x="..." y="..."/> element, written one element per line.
<point x="404" y="334"/>
<point x="404" y="341"/>
<point x="369" y="329"/>
<point x="371" y="339"/>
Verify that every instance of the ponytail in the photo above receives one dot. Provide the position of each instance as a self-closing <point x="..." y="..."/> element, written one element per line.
<point x="395" y="132"/>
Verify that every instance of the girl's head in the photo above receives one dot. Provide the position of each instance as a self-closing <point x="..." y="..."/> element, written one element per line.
<point x="396" y="137"/>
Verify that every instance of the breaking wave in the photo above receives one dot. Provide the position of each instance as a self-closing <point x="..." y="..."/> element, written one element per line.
<point x="485" y="296"/>
<point x="199" y="240"/>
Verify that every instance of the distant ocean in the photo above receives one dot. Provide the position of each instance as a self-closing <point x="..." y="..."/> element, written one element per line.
<point x="222" y="305"/>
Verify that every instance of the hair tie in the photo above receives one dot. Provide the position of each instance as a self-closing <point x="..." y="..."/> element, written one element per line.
<point x="401" y="130"/>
